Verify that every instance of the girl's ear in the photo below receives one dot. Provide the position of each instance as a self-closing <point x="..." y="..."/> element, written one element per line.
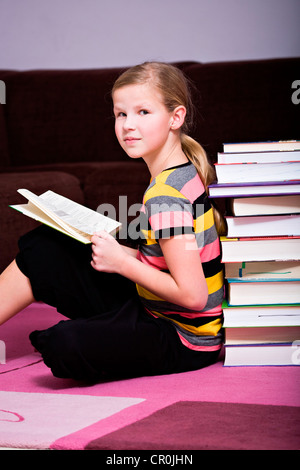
<point x="178" y="117"/>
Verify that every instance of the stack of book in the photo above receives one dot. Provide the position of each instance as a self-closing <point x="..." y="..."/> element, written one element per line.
<point x="261" y="252"/>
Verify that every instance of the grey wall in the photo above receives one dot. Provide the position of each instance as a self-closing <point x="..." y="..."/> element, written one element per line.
<point x="108" y="33"/>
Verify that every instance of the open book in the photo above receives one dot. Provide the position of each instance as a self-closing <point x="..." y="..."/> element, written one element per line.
<point x="65" y="215"/>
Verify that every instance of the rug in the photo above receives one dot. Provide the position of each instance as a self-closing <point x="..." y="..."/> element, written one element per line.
<point x="209" y="426"/>
<point x="39" y="411"/>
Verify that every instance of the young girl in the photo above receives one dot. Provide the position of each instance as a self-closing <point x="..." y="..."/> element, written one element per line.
<point x="154" y="310"/>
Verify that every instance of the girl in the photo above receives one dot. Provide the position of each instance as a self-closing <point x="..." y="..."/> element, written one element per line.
<point x="154" y="310"/>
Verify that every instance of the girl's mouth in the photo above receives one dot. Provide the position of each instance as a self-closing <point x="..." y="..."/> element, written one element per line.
<point x="131" y="140"/>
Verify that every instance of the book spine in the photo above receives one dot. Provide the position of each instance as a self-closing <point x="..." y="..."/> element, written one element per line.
<point x="257" y="172"/>
<point x="270" y="146"/>
<point x="259" y="157"/>
<point x="266" y="188"/>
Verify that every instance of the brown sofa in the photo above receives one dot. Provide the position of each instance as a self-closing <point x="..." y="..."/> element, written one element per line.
<point x="57" y="130"/>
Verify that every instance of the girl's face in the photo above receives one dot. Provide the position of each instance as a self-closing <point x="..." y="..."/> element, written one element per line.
<point x="142" y="122"/>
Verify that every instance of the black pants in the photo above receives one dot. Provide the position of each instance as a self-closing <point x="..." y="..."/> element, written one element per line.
<point x="107" y="334"/>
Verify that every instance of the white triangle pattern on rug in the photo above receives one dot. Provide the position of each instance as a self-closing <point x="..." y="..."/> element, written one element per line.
<point x="36" y="420"/>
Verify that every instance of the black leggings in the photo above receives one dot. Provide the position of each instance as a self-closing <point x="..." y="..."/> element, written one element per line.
<point x="107" y="334"/>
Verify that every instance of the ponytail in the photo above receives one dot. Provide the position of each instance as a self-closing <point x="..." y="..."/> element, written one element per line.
<point x="197" y="155"/>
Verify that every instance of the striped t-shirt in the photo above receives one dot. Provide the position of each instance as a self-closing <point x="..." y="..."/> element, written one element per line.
<point x="175" y="203"/>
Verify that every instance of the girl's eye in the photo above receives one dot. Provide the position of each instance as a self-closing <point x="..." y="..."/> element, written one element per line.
<point x="119" y="115"/>
<point x="143" y="112"/>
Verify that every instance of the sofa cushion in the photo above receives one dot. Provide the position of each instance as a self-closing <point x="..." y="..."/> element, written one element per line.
<point x="116" y="189"/>
<point x="113" y="179"/>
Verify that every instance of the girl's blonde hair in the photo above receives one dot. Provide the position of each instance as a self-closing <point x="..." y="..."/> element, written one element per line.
<point x="174" y="89"/>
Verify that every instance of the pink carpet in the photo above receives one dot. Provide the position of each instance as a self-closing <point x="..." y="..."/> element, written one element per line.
<point x="40" y="411"/>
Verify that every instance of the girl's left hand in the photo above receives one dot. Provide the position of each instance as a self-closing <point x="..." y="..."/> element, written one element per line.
<point x="107" y="254"/>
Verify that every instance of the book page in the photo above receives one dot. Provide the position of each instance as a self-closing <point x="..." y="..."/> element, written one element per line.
<point x="66" y="212"/>
<point x="30" y="210"/>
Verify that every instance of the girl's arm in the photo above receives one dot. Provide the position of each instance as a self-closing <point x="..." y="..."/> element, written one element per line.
<point x="130" y="251"/>
<point x="185" y="285"/>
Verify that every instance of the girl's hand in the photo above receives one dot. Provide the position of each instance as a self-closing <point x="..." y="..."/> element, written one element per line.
<point x="107" y="254"/>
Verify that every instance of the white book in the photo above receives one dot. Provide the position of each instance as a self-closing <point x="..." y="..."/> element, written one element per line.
<point x="65" y="215"/>
<point x="266" y="205"/>
<point x="263" y="293"/>
<point x="245" y="190"/>
<point x="260" y="249"/>
<point x="259" y="157"/>
<point x="263" y="226"/>
<point x="262" y="355"/>
<point x="261" y="335"/>
<point x="257" y="172"/>
<point x="268" y="146"/>
<point x="260" y="315"/>
<point x="263" y="270"/>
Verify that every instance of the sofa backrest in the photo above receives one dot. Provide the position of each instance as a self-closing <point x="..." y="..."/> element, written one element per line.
<point x="60" y="116"/>
<point x="54" y="116"/>
<point x="4" y="152"/>
<point x="245" y="101"/>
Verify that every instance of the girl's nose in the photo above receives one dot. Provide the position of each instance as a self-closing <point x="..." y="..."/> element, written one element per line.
<point x="129" y="123"/>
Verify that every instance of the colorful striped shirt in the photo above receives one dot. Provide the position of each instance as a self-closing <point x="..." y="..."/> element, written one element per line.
<point x="176" y="203"/>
